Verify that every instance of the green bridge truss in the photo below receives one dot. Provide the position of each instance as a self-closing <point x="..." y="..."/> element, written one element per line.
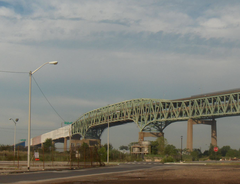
<point x="153" y="115"/>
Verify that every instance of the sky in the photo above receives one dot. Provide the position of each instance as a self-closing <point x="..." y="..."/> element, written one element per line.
<point x="115" y="50"/>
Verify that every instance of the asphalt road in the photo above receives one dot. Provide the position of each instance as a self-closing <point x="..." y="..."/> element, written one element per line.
<point x="52" y="175"/>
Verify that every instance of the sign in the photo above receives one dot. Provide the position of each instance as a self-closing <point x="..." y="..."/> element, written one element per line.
<point x="67" y="123"/>
<point x="77" y="154"/>
<point x="215" y="149"/>
<point x="23" y="140"/>
<point x="36" y="155"/>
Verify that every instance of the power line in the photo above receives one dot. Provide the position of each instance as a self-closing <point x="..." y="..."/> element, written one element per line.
<point x="47" y="99"/>
<point x="35" y="129"/>
<point x="12" y="72"/>
<point x="39" y="89"/>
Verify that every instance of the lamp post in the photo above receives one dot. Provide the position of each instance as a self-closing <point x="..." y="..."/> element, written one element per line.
<point x="108" y="139"/>
<point x="108" y="147"/>
<point x="29" y="108"/>
<point x="15" y="122"/>
<point x="181" y="147"/>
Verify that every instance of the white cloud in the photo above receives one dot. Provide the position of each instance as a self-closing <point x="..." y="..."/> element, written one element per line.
<point x="8" y="13"/>
<point x="83" y="20"/>
<point x="214" y="23"/>
<point x="110" y="51"/>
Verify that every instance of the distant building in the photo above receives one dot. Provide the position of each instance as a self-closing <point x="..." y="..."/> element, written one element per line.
<point x="20" y="144"/>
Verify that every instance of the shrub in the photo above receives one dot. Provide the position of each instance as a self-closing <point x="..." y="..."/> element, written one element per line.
<point x="167" y="159"/>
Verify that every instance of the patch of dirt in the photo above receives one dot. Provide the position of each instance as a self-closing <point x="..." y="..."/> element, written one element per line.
<point x="166" y="175"/>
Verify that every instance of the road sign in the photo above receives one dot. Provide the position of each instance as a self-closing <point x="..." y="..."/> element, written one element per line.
<point x="67" y="123"/>
<point x="215" y="149"/>
<point x="36" y="155"/>
<point x="23" y="139"/>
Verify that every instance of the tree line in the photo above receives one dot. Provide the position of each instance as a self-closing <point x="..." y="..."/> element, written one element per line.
<point x="158" y="148"/>
<point x="161" y="148"/>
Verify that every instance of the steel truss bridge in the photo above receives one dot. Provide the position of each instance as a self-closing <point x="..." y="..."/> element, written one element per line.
<point x="154" y="115"/>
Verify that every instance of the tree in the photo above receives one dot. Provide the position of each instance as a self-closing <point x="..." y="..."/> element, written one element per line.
<point x="123" y="147"/>
<point x="84" y="145"/>
<point x="103" y="153"/>
<point x="161" y="144"/>
<point x="232" y="153"/>
<point x="48" y="145"/>
<point x="224" y="150"/>
<point x="170" y="150"/>
<point x="196" y="154"/>
<point x="115" y="154"/>
<point x="154" y="149"/>
<point x="206" y="153"/>
<point x="5" y="147"/>
<point x="110" y="146"/>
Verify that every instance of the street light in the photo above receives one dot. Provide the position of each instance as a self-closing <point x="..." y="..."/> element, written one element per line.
<point x="108" y="147"/>
<point x="29" y="107"/>
<point x="181" y="147"/>
<point x="15" y="122"/>
<point x="108" y="138"/>
<point x="108" y="143"/>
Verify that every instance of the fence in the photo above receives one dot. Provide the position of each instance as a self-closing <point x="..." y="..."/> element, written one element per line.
<point x="47" y="158"/>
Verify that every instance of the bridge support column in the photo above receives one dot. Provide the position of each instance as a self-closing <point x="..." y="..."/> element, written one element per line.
<point x="190" y="134"/>
<point x="90" y="142"/>
<point x="149" y="134"/>
<point x="65" y="143"/>
<point x="205" y="122"/>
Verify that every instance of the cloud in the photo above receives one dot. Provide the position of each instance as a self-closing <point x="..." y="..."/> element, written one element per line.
<point x="79" y="21"/>
<point x="6" y="12"/>
<point x="111" y="51"/>
<point x="214" y="23"/>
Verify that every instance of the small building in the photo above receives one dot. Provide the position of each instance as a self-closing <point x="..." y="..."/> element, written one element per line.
<point x="143" y="147"/>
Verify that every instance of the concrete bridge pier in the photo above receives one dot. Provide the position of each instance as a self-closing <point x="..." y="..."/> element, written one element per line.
<point x="192" y="122"/>
<point x="142" y="135"/>
<point x="65" y="143"/>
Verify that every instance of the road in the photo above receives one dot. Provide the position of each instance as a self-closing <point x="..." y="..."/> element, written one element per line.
<point x="42" y="176"/>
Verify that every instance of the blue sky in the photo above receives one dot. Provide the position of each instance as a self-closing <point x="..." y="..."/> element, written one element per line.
<point x="110" y="51"/>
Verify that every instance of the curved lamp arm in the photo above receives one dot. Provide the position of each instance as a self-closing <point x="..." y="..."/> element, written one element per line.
<point x="51" y="62"/>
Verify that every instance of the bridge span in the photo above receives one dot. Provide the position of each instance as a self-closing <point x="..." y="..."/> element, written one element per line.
<point x="152" y="116"/>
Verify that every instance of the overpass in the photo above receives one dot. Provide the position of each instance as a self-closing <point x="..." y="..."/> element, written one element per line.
<point x="152" y="116"/>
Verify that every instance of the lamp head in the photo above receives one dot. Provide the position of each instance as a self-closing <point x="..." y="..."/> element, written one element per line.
<point x="53" y="62"/>
<point x="17" y="119"/>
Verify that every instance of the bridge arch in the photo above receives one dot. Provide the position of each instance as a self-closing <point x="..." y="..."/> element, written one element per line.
<point x="144" y="112"/>
<point x="156" y="114"/>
